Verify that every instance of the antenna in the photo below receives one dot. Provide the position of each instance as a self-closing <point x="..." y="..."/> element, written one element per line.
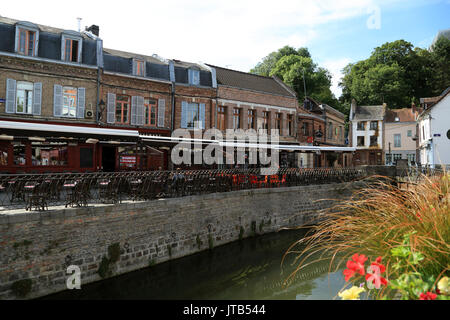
<point x="79" y="24"/>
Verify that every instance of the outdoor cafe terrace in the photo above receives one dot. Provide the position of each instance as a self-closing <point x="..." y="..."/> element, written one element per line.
<point x="40" y="192"/>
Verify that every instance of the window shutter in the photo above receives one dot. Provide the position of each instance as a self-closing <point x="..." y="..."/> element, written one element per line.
<point x="10" y="95"/>
<point x="202" y="116"/>
<point x="140" y="111"/>
<point x="134" y="67"/>
<point x="81" y="102"/>
<point x="161" y="112"/>
<point x="111" y="108"/>
<point x="133" y="110"/>
<point x="57" y="100"/>
<point x="190" y="78"/>
<point x="184" y="109"/>
<point x="37" y="98"/>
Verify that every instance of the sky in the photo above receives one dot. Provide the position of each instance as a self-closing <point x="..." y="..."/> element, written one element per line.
<point x="238" y="34"/>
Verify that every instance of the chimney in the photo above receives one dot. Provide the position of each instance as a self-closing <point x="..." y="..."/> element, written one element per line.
<point x="94" y="29"/>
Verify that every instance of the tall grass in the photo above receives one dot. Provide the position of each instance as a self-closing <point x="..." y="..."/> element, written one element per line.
<point x="375" y="220"/>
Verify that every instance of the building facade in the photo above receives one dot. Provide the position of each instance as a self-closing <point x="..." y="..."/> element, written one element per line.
<point x="434" y="131"/>
<point x="366" y="134"/>
<point x="399" y="133"/>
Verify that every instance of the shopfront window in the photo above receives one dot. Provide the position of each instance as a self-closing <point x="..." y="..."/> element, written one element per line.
<point x="128" y="160"/>
<point x="48" y="154"/>
<point x="19" y="154"/>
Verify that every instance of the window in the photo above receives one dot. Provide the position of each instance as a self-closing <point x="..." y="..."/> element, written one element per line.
<point x="409" y="133"/>
<point x="19" y="151"/>
<point x="278" y="121"/>
<point x="411" y="158"/>
<point x="236" y="118"/>
<point x="305" y="129"/>
<point x="341" y="136"/>
<point x="396" y="157"/>
<point x="122" y="109"/>
<point x="423" y="133"/>
<point x="48" y="154"/>
<point x="397" y="141"/>
<point x="194" y="77"/>
<point x="388" y="158"/>
<point x="330" y="130"/>
<point x="373" y="125"/>
<point x="290" y="126"/>
<point x="71" y="50"/>
<point x="193" y="116"/>
<point x="150" y="110"/>
<point x="374" y="141"/>
<point x="139" y="67"/>
<point x="221" y="118"/>
<point x="27" y="42"/>
<point x="361" y="126"/>
<point x="69" y="102"/>
<point x="265" y="124"/>
<point x="361" y="142"/>
<point x="24" y="97"/>
<point x="251" y="119"/>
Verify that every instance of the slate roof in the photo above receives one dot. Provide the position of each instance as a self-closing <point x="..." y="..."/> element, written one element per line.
<point x="130" y="55"/>
<point x="41" y="27"/>
<point x="404" y="115"/>
<point x="239" y="79"/>
<point x="369" y="113"/>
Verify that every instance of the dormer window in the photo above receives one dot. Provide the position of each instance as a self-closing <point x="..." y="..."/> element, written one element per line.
<point x="194" y="77"/>
<point x="139" y="67"/>
<point x="71" y="50"/>
<point x="71" y="47"/>
<point x="27" y="38"/>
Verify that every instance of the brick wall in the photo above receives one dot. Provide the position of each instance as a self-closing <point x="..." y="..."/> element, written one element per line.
<point x="48" y="74"/>
<point x="40" y="246"/>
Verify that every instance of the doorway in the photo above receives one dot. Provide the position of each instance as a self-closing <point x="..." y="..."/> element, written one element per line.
<point x="109" y="159"/>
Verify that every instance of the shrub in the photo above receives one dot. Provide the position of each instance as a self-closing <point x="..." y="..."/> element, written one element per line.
<point x="376" y="220"/>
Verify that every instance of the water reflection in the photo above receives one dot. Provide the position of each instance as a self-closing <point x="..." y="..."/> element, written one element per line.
<point x="247" y="270"/>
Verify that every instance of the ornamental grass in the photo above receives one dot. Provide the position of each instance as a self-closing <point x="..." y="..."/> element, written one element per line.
<point x="376" y="219"/>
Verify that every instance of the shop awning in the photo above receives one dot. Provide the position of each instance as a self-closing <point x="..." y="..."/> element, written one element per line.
<point x="242" y="144"/>
<point x="16" y="128"/>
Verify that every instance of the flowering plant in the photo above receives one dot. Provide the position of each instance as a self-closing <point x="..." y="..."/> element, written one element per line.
<point x="409" y="285"/>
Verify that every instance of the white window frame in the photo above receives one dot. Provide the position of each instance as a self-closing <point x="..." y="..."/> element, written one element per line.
<point x="192" y="79"/>
<point x="32" y="98"/>
<point x="27" y="27"/>
<point x="76" y="101"/>
<point x="65" y="37"/>
<point x="399" y="145"/>
<point x="135" y="62"/>
<point x="190" y="111"/>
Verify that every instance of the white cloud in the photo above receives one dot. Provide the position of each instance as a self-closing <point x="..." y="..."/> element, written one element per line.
<point x="335" y="67"/>
<point x="238" y="33"/>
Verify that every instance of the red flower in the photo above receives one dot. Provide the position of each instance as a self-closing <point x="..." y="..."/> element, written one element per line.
<point x="428" y="296"/>
<point x="375" y="277"/>
<point x="355" y="265"/>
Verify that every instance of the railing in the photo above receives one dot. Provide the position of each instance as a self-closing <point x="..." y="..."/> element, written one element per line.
<point x="40" y="191"/>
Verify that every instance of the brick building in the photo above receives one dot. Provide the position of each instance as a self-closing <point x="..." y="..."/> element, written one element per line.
<point x="48" y="91"/>
<point x="248" y="101"/>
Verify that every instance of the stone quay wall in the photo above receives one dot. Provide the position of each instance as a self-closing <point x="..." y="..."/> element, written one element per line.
<point x="36" y="248"/>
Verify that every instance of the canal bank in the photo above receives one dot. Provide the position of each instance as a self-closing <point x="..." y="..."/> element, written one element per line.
<point x="109" y="240"/>
<point x="244" y="270"/>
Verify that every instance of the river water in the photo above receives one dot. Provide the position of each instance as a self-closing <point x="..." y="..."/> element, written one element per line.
<point x="246" y="270"/>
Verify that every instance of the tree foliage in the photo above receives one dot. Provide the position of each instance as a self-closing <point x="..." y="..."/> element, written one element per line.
<point x="297" y="69"/>
<point x="398" y="74"/>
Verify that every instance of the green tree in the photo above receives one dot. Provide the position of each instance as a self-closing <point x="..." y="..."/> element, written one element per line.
<point x="398" y="74"/>
<point x="290" y="64"/>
